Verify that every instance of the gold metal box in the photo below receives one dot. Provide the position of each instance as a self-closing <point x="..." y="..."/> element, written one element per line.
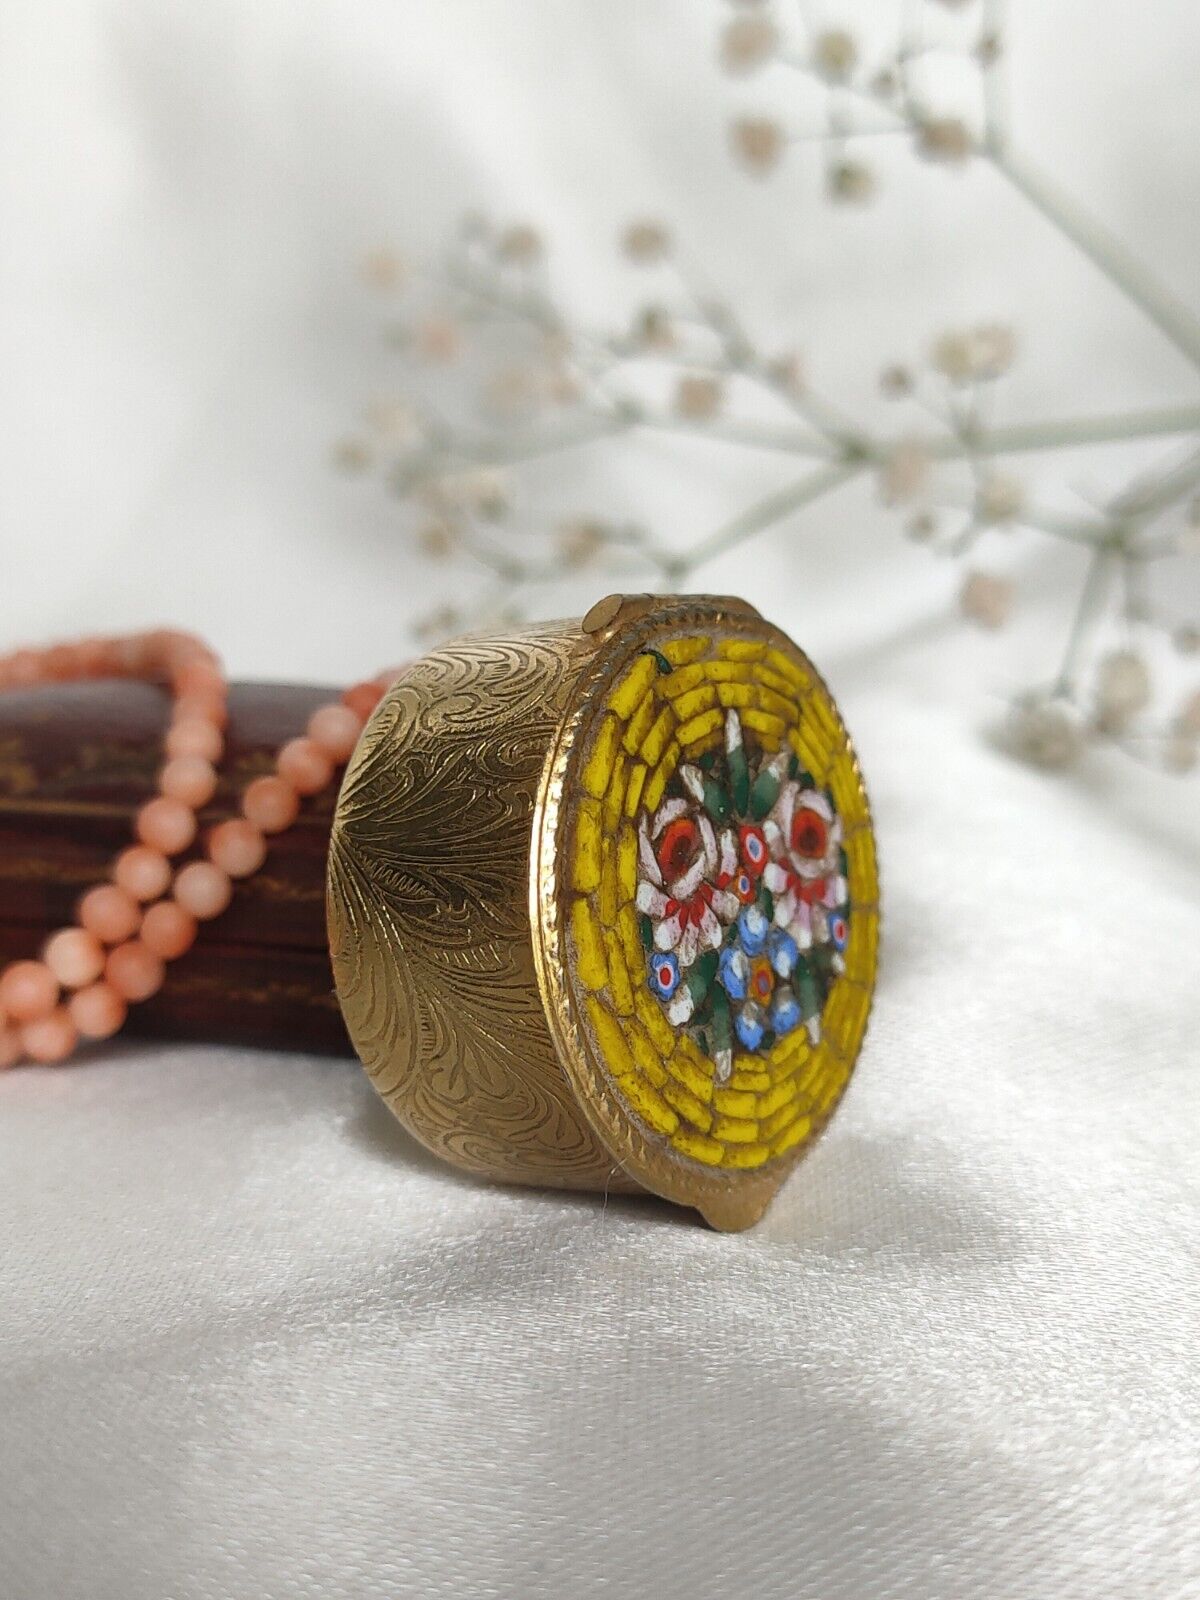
<point x="603" y="903"/>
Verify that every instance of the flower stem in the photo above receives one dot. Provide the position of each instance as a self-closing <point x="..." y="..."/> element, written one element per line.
<point x="1061" y="432"/>
<point x="771" y="509"/>
<point x="1103" y="249"/>
<point x="1091" y="601"/>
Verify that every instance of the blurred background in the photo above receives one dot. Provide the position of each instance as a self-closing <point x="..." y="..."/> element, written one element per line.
<point x="189" y="338"/>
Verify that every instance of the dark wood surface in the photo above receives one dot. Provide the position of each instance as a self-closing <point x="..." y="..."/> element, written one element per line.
<point x="76" y="761"/>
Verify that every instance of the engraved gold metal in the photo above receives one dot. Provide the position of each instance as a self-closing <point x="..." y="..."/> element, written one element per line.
<point x="481" y="905"/>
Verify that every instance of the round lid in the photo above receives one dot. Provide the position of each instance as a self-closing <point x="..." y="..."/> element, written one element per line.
<point x="705" y="900"/>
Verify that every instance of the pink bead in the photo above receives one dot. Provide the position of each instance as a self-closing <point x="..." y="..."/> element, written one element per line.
<point x="336" y="730"/>
<point x="145" y="874"/>
<point x="304" y="765"/>
<point x="74" y="956"/>
<point x="203" y="889"/>
<point x="168" y="930"/>
<point x="204" y="707"/>
<point x="50" y="1038"/>
<point x="237" y="847"/>
<point x="199" y="677"/>
<point x="97" y="1011"/>
<point x="94" y="658"/>
<point x="179" y="650"/>
<point x="134" y="971"/>
<point x="28" y="989"/>
<point x="192" y="779"/>
<point x="195" y="736"/>
<point x="132" y="657"/>
<point x="59" y="663"/>
<point x="362" y="698"/>
<point x="22" y="669"/>
<point x="167" y="825"/>
<point x="270" y="804"/>
<point x="109" y="913"/>
<point x="10" y="1047"/>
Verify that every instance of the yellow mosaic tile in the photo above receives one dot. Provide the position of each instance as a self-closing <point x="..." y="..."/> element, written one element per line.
<point x="655" y="1023"/>
<point x="636" y="684"/>
<point x="589" y="946"/>
<point x="585" y="868"/>
<point x="633" y="788"/>
<point x="680" y="651"/>
<point x="649" y="1061"/>
<point x="704" y="698"/>
<point x="657" y="738"/>
<point x="640" y="724"/>
<point x="619" y="987"/>
<point x="596" y="774"/>
<point x="660" y="777"/>
<point x="700" y="1148"/>
<point x="741" y="650"/>
<point x="698" y="732"/>
<point x="687" y="1105"/>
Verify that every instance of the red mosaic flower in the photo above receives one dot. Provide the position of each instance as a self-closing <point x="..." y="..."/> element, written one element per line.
<point x="809" y="833"/>
<point x="678" y="847"/>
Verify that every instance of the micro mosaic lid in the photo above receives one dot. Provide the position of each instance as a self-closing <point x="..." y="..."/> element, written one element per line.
<point x="708" y="904"/>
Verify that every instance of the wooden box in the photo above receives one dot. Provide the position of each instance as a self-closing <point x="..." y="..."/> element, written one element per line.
<point x="76" y="761"/>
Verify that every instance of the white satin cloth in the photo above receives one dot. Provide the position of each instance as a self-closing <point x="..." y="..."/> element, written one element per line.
<point x="254" y="1342"/>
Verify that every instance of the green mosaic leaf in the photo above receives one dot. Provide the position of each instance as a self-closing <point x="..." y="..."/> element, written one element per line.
<point x="647" y="932"/>
<point x="697" y="985"/>
<point x="793" y="765"/>
<point x="764" y="794"/>
<point x="716" y="801"/>
<point x="808" y="992"/>
<point x="707" y="964"/>
<point x="660" y="661"/>
<point x="722" y="1024"/>
<point x="739" y="780"/>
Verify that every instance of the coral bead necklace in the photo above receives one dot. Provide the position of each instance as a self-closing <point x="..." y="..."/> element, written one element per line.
<point x="147" y="914"/>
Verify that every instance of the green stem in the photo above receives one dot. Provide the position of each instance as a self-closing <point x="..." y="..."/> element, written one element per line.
<point x="1103" y="249"/>
<point x="771" y="509"/>
<point x="1091" y="599"/>
<point x="1064" y="432"/>
<point x="1146" y="496"/>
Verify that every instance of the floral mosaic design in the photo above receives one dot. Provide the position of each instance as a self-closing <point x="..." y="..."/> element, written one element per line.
<point x="743" y="897"/>
<point x="722" y="897"/>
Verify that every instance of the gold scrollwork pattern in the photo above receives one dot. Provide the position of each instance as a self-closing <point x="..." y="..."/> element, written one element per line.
<point x="429" y="910"/>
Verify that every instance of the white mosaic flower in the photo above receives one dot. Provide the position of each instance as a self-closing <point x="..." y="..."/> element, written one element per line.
<point x="681" y="861"/>
<point x="804" y="835"/>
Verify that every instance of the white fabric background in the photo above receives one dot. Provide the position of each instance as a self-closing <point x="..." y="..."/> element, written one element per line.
<point x="253" y="1342"/>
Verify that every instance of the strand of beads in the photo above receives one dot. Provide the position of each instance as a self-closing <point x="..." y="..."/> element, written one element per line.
<point x="88" y="973"/>
<point x="148" y="914"/>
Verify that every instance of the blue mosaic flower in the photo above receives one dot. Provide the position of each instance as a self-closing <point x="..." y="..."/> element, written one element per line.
<point x="785" y="1011"/>
<point x="839" y="929"/>
<point x="783" y="951"/>
<point x="663" y="974"/>
<point x="750" y="1024"/>
<point x="754" y="971"/>
<point x="753" y="925"/>
<point x="734" y="971"/>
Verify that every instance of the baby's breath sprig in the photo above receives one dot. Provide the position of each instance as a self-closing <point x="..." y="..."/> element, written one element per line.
<point x="544" y="389"/>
